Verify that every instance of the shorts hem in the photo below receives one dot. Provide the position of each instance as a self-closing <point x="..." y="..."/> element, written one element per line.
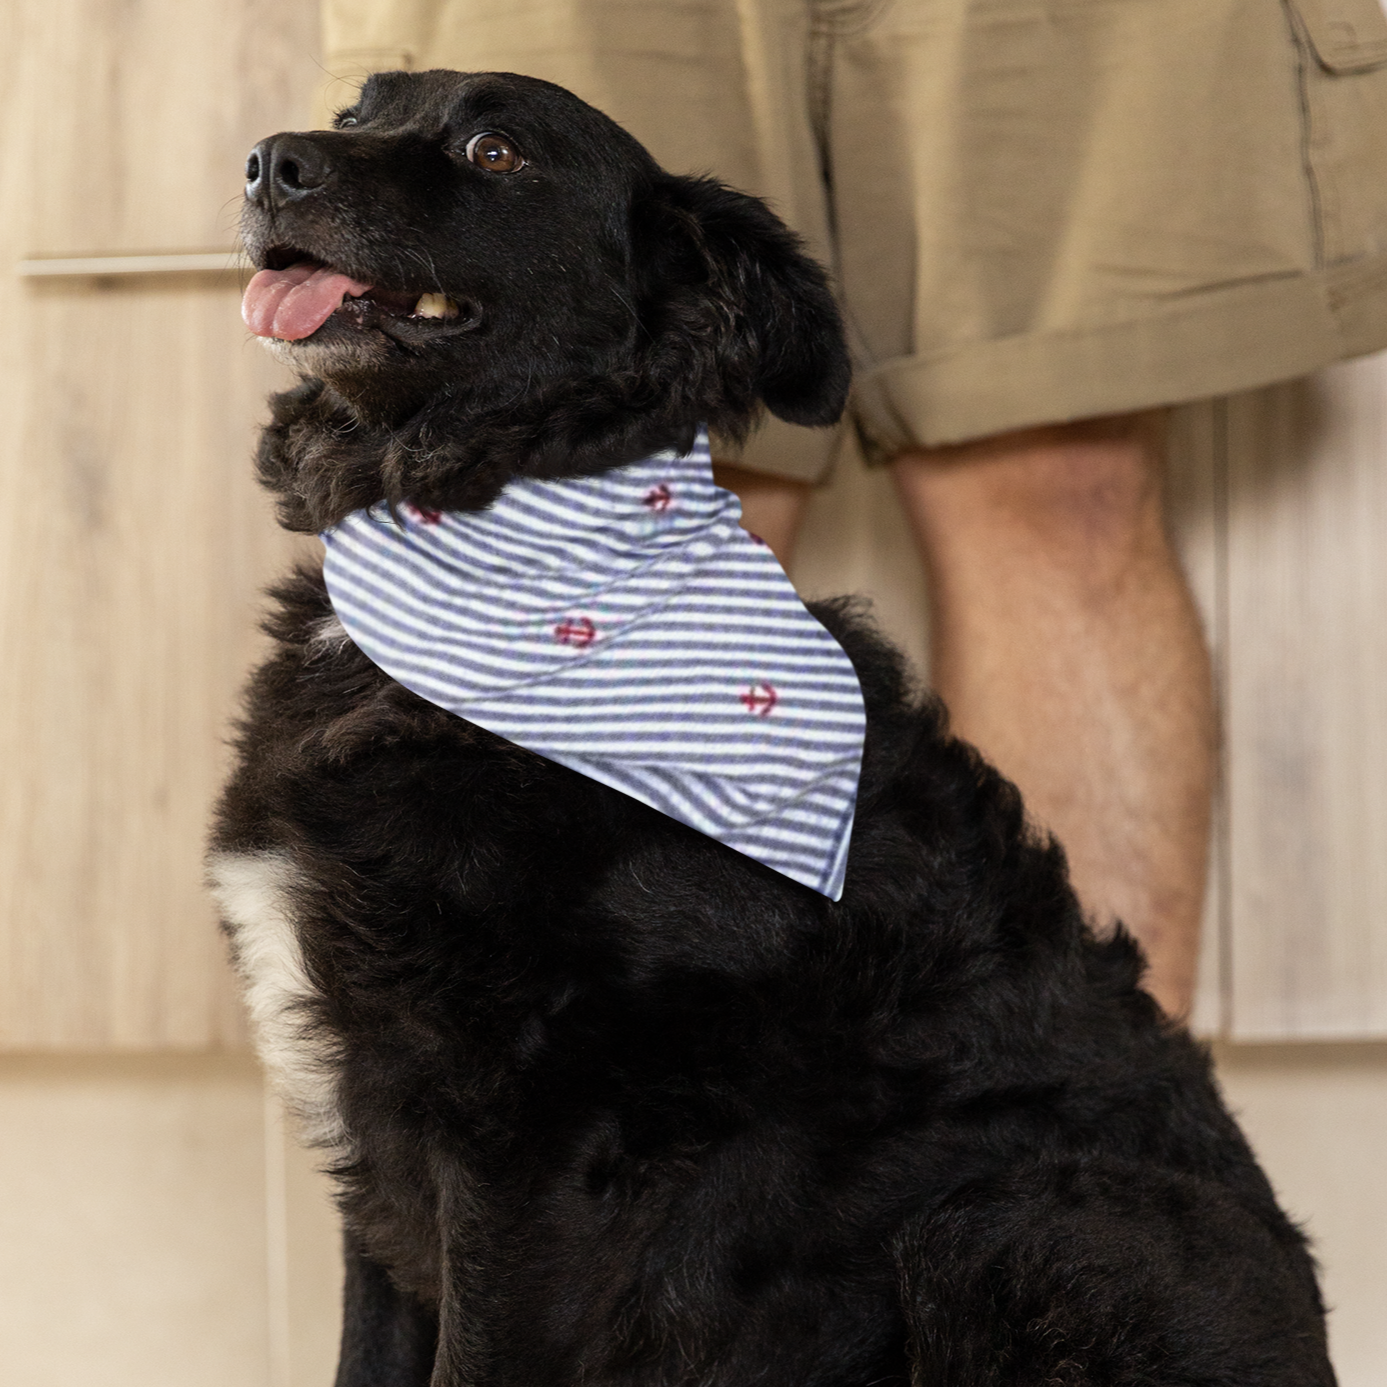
<point x="1234" y="339"/>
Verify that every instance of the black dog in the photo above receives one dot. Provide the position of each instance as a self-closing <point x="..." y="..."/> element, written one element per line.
<point x="610" y="1103"/>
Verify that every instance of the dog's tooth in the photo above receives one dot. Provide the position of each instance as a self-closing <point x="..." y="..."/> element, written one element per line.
<point x="435" y="306"/>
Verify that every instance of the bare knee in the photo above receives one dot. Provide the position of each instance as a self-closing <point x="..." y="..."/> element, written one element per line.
<point x="1081" y="495"/>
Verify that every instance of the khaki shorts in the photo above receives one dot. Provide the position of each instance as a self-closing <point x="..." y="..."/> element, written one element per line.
<point x="1036" y="210"/>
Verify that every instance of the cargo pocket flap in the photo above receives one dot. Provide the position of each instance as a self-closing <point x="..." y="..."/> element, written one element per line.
<point x="1347" y="35"/>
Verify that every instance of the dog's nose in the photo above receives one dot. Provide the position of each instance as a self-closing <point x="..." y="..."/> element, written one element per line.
<point x="284" y="168"/>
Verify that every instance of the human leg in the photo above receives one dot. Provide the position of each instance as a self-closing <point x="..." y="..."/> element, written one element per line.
<point x="1068" y="649"/>
<point x="772" y="507"/>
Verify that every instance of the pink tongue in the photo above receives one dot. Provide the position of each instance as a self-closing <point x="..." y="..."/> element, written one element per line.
<point x="296" y="302"/>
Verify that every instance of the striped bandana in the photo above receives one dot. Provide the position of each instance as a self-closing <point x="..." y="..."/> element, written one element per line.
<point x="624" y="626"/>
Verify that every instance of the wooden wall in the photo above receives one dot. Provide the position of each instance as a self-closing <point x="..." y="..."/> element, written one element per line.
<point x="1305" y="559"/>
<point x="133" y="542"/>
<point x="160" y="1223"/>
<point x="134" y="546"/>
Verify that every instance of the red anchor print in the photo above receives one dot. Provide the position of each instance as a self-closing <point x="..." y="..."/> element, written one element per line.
<point x="658" y="498"/>
<point x="576" y="631"/>
<point x="760" y="699"/>
<point x="423" y="514"/>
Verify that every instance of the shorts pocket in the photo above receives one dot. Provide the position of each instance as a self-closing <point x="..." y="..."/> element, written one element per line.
<point x="1347" y="35"/>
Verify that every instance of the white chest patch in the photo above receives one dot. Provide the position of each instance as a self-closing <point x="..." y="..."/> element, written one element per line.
<point x="256" y="894"/>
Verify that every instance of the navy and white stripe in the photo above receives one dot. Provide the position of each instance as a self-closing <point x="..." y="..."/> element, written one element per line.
<point x="627" y="627"/>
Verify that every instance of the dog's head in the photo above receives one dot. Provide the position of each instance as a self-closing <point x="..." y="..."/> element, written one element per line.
<point x="482" y="277"/>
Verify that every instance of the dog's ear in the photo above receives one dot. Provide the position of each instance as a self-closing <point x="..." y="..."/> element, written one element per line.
<point x="727" y="286"/>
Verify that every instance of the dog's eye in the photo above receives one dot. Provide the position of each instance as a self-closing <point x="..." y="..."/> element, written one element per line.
<point x="343" y="119"/>
<point x="494" y="152"/>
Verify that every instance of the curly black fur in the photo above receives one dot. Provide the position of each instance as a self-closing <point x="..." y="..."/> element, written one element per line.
<point x="621" y="1106"/>
<point x="611" y="306"/>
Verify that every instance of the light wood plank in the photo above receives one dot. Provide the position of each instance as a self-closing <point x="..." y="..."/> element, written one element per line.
<point x="179" y="263"/>
<point x="129" y="588"/>
<point x="1307" y="707"/>
<point x="305" y="1245"/>
<point x="132" y="1237"/>
<point x="1316" y="1115"/>
<point x="142" y="115"/>
<point x="135" y="543"/>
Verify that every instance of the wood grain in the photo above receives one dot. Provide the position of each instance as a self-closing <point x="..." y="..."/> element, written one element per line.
<point x="132" y="1234"/>
<point x="98" y="266"/>
<point x="134" y="543"/>
<point x="1307" y="706"/>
